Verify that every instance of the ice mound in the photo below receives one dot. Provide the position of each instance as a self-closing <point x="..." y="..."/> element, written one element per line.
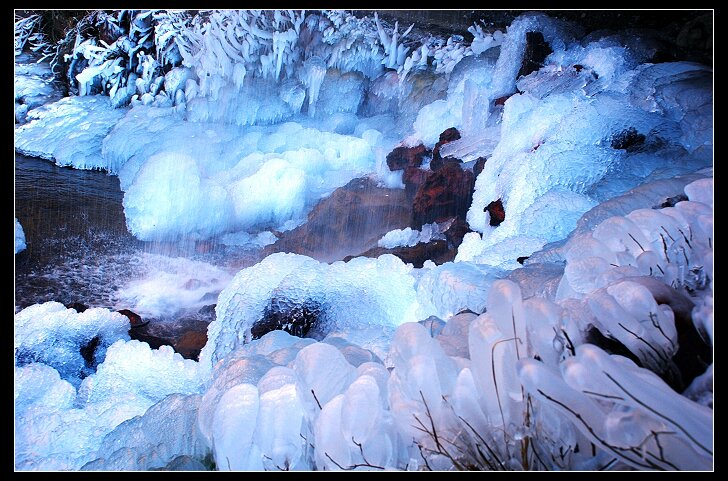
<point x="449" y="288"/>
<point x="69" y="131"/>
<point x="259" y="415"/>
<point x="61" y="429"/>
<point x="151" y="441"/>
<point x="73" y="343"/>
<point x="673" y="244"/>
<point x="363" y="293"/>
<point x="19" y="237"/>
<point x="620" y="406"/>
<point x="248" y="178"/>
<point x="539" y="174"/>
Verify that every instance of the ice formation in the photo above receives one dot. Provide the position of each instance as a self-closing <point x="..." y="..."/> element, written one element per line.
<point x="71" y="342"/>
<point x="69" y="131"/>
<point x="20" y="244"/>
<point x="60" y="428"/>
<point x="409" y="237"/>
<point x="363" y="293"/>
<point x="457" y="366"/>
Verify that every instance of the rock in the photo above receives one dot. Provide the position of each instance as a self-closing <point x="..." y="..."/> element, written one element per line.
<point x="496" y="211"/>
<point x="439" y="162"/>
<point x="413" y="178"/>
<point x="402" y="157"/>
<point x="295" y="319"/>
<point x="135" y="320"/>
<point x="671" y="201"/>
<point x="185" y="463"/>
<point x="502" y="100"/>
<point x="78" y="306"/>
<point x="446" y="193"/>
<point x="88" y="351"/>
<point x="437" y="251"/>
<point x="479" y="165"/>
<point x="351" y="220"/>
<point x="190" y="344"/>
<point x="629" y="140"/>
<point x="208" y="312"/>
<point x="447" y="136"/>
<point x="146" y="333"/>
<point x="536" y="52"/>
<point x="455" y="232"/>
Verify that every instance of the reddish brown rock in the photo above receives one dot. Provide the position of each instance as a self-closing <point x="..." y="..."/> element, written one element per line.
<point x="446" y="193"/>
<point x="502" y="100"/>
<point x="351" y="220"/>
<point x="436" y="251"/>
<point x="80" y="307"/>
<point x="413" y="178"/>
<point x="479" y="166"/>
<point x="190" y="344"/>
<point x="496" y="211"/>
<point x="446" y="137"/>
<point x="403" y="157"/>
<point x="439" y="162"/>
<point x="135" y="320"/>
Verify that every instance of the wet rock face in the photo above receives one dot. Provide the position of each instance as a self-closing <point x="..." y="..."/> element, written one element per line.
<point x="351" y="220"/>
<point x="413" y="178"/>
<point x="479" y="166"/>
<point x="446" y="193"/>
<point x="295" y="319"/>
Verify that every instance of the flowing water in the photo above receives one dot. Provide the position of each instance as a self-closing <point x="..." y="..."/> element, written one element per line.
<point x="79" y="250"/>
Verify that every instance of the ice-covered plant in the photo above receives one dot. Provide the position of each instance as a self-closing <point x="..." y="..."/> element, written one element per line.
<point x="624" y="410"/>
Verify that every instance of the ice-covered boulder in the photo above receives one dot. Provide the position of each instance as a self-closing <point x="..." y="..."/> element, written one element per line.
<point x="363" y="293"/>
<point x="73" y="343"/>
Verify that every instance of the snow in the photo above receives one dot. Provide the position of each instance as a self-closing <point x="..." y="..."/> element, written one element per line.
<point x="20" y="244"/>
